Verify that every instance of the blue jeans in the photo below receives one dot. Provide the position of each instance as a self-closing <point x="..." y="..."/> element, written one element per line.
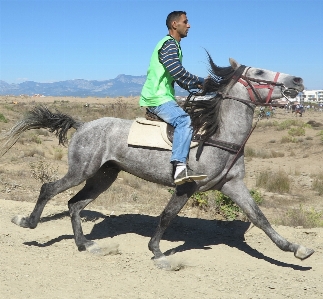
<point x="174" y="115"/>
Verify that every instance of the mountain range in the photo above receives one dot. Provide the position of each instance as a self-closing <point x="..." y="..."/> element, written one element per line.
<point x="122" y="85"/>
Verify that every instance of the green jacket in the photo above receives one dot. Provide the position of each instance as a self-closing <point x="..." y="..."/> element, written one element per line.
<point x="159" y="86"/>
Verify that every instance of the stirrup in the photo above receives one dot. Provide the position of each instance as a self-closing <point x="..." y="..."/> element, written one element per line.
<point x="187" y="175"/>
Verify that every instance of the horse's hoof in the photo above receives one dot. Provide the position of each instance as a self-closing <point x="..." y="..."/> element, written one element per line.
<point x="162" y="263"/>
<point x="21" y="221"/>
<point x="169" y="263"/>
<point x="93" y="248"/>
<point x="303" y="253"/>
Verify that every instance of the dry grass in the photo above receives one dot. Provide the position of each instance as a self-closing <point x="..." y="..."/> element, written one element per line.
<point x="271" y="181"/>
<point x="263" y="154"/>
<point x="307" y="218"/>
<point x="58" y="153"/>
<point x="317" y="184"/>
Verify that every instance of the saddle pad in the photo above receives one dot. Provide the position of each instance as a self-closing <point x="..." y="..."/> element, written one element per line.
<point x="147" y="133"/>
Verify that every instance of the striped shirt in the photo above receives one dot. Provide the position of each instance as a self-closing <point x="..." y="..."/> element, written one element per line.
<point x="168" y="56"/>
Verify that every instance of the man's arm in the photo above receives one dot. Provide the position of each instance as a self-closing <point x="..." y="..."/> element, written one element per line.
<point x="168" y="56"/>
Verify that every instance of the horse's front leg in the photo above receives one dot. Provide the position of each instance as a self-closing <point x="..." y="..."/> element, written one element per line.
<point x="238" y="192"/>
<point x="179" y="198"/>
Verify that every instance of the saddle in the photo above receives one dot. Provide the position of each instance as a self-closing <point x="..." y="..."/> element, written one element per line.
<point x="152" y="131"/>
<point x="169" y="129"/>
<point x="145" y="132"/>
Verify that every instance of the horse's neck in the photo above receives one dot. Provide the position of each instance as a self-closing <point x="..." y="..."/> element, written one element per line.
<point x="235" y="118"/>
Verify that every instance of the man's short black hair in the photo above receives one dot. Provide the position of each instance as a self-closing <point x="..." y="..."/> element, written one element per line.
<point x="173" y="16"/>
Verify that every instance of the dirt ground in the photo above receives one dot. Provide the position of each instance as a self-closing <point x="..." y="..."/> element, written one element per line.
<point x="217" y="259"/>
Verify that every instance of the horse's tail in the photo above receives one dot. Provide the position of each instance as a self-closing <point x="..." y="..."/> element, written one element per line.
<point x="40" y="117"/>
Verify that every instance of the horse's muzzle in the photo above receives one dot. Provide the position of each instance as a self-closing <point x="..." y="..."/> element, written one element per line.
<point x="298" y="81"/>
<point x="290" y="92"/>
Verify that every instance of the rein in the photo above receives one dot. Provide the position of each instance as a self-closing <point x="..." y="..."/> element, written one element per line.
<point x="261" y="114"/>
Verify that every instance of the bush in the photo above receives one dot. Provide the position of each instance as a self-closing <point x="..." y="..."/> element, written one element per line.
<point x="34" y="138"/>
<point x="43" y="172"/>
<point x="298" y="131"/>
<point x="273" y="182"/>
<point x="257" y="196"/>
<point x="2" y="118"/>
<point x="221" y="204"/>
<point x="318" y="185"/>
<point x="301" y="217"/>
<point x="249" y="152"/>
<point x="275" y="154"/>
<point x="58" y="153"/>
<point x="287" y="139"/>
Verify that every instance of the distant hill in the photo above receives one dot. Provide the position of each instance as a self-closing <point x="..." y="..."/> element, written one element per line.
<point x="122" y="85"/>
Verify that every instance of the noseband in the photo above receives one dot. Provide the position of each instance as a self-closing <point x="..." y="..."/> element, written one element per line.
<point x="261" y="84"/>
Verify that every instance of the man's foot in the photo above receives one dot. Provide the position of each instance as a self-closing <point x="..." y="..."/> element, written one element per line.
<point x="187" y="175"/>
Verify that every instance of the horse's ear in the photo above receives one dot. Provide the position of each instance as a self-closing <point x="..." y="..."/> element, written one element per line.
<point x="233" y="63"/>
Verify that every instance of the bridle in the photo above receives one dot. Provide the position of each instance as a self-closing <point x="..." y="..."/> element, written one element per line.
<point x="253" y="85"/>
<point x="261" y="84"/>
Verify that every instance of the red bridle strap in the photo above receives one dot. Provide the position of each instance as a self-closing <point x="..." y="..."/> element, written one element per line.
<point x="252" y="89"/>
<point x="272" y="88"/>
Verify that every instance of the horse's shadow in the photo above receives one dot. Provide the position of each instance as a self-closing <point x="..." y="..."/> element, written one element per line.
<point x="195" y="233"/>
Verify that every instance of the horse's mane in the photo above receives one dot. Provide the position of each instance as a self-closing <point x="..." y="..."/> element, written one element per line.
<point x="205" y="113"/>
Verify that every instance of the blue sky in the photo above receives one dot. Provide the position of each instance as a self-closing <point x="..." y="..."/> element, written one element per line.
<point x="55" y="40"/>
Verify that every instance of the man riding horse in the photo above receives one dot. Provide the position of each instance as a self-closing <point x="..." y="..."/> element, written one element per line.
<point x="158" y="93"/>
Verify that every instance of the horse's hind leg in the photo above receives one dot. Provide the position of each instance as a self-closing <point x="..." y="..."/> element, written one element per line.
<point x="47" y="191"/>
<point x="239" y="193"/>
<point x="94" y="186"/>
<point x="176" y="203"/>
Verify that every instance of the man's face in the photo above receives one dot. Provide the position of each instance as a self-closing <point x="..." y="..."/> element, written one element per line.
<point x="182" y="26"/>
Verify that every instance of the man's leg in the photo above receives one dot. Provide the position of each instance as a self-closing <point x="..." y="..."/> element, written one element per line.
<point x="173" y="114"/>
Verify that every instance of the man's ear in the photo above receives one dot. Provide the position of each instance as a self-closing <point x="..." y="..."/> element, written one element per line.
<point x="234" y="63"/>
<point x="174" y="25"/>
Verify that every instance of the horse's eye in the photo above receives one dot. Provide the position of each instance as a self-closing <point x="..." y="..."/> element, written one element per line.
<point x="259" y="72"/>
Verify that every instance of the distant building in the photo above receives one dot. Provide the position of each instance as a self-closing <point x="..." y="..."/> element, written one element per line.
<point x="313" y="96"/>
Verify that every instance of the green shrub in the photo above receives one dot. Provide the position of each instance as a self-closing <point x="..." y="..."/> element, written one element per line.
<point x="288" y="123"/>
<point x="221" y="204"/>
<point x="257" y="196"/>
<point x="298" y="131"/>
<point x="2" y="118"/>
<point x="201" y="199"/>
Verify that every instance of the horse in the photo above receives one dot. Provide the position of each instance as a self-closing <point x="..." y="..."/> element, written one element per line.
<point x="98" y="151"/>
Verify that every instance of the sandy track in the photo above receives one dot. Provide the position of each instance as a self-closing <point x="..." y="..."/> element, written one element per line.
<point x="223" y="259"/>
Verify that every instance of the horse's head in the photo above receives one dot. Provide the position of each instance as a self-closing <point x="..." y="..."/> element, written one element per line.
<point x="264" y="86"/>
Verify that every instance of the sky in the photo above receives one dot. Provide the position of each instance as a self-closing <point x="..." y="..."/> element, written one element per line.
<point x="56" y="40"/>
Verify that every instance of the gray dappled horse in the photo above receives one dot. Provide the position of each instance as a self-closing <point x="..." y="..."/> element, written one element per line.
<point x="98" y="151"/>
